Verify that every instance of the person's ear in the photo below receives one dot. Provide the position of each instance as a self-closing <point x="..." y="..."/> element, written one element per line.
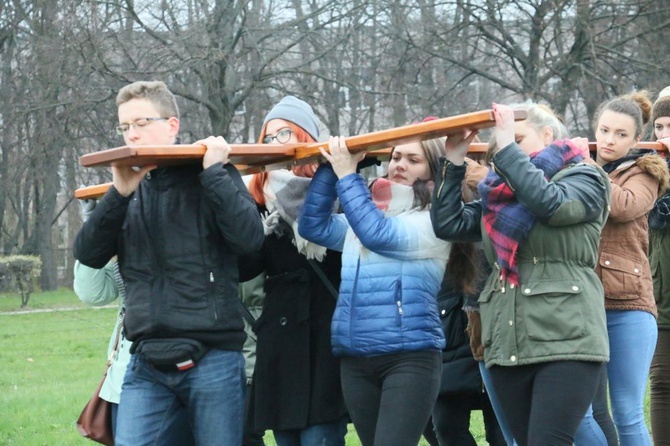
<point x="547" y="136"/>
<point x="173" y="122"/>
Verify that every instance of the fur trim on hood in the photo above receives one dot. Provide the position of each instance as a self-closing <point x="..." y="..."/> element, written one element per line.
<point x="656" y="166"/>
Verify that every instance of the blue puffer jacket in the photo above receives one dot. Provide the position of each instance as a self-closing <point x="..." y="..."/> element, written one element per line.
<point x="392" y="266"/>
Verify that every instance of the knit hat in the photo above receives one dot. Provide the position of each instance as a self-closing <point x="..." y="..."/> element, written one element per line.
<point x="661" y="108"/>
<point x="664" y="92"/>
<point x="296" y="111"/>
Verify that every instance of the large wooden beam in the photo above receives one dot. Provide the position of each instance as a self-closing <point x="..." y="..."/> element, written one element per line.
<point x="273" y="156"/>
<point x="475" y="148"/>
<point x="252" y="158"/>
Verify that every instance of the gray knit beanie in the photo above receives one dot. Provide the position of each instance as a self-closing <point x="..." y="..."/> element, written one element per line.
<point x="296" y="111"/>
<point x="661" y="108"/>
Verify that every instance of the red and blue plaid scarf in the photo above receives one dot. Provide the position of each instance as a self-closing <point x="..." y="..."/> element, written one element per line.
<point x="507" y="222"/>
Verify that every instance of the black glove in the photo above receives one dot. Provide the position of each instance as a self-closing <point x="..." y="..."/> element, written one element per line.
<point x="367" y="162"/>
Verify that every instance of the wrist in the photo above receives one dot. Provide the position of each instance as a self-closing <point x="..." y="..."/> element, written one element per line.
<point x="454" y="159"/>
<point x="344" y="172"/>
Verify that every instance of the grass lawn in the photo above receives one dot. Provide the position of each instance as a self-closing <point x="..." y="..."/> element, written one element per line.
<point x="52" y="361"/>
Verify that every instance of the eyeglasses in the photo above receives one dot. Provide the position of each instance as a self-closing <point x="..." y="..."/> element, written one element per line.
<point x="282" y="137"/>
<point x="136" y="124"/>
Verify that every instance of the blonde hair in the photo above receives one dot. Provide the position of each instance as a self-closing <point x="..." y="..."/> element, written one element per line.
<point x="539" y="117"/>
<point x="154" y="91"/>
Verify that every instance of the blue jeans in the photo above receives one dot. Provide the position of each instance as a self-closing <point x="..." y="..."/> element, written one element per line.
<point x="495" y="403"/>
<point x="179" y="435"/>
<point x="597" y="428"/>
<point x="632" y="336"/>
<point x="212" y="392"/>
<point x="590" y="433"/>
<point x="326" y="434"/>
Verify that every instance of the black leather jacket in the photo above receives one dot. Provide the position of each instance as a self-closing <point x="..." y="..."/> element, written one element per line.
<point x="177" y="238"/>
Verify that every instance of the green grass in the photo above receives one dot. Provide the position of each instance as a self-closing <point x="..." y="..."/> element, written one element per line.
<point x="63" y="297"/>
<point x="52" y="361"/>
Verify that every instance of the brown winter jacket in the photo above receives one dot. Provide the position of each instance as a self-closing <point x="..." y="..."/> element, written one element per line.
<point x="623" y="264"/>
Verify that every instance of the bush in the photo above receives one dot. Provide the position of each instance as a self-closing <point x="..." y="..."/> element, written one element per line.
<point x="20" y="271"/>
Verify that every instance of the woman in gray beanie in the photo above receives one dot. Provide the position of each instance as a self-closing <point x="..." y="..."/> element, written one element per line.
<point x="296" y="390"/>
<point x="659" y="258"/>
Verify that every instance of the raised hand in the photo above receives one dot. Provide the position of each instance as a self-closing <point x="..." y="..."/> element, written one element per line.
<point x="86" y="207"/>
<point x="583" y="144"/>
<point x="218" y="151"/>
<point x="343" y="162"/>
<point x="457" y="144"/>
<point x="126" y="179"/>
<point x="504" y="132"/>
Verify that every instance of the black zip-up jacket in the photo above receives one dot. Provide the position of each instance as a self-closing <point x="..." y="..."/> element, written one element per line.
<point x="177" y="238"/>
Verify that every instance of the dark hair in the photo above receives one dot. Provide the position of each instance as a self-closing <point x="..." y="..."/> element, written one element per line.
<point x="464" y="267"/>
<point x="637" y="105"/>
<point x="466" y="264"/>
<point x="433" y="149"/>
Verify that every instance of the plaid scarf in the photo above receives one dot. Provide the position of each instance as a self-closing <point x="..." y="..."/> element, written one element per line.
<point x="506" y="221"/>
<point x="284" y="195"/>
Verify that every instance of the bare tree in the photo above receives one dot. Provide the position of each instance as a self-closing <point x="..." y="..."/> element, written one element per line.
<point x="570" y="54"/>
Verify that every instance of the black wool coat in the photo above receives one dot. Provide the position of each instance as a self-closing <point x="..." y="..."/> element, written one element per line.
<point x="296" y="380"/>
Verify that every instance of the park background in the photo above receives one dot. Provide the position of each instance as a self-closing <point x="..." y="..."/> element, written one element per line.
<point x="364" y="65"/>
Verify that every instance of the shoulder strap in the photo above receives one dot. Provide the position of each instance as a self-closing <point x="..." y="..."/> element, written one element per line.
<point x="251" y="320"/>
<point x="246" y="314"/>
<point x="319" y="272"/>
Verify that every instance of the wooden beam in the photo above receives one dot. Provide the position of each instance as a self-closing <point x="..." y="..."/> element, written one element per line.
<point x="274" y="156"/>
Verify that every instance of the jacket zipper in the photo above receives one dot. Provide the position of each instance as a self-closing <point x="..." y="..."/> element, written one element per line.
<point x="153" y="191"/>
<point x="398" y="301"/>
<point x="211" y="281"/>
<point x="444" y="175"/>
<point x="352" y="316"/>
<point x="503" y="176"/>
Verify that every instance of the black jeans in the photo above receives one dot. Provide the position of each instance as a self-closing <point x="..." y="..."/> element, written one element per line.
<point x="390" y="397"/>
<point x="546" y="402"/>
<point x="251" y="436"/>
<point x="601" y="411"/>
<point x="451" y="419"/>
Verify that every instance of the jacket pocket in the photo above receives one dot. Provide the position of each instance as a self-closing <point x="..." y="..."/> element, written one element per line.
<point x="621" y="276"/>
<point x="552" y="310"/>
<point x="487" y="316"/>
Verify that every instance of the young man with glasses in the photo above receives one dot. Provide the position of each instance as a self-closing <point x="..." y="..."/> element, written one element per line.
<point x="177" y="232"/>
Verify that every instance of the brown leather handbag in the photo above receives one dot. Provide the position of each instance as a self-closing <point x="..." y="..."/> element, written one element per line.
<point x="95" y="421"/>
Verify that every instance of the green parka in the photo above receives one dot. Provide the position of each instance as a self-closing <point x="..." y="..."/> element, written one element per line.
<point x="557" y="312"/>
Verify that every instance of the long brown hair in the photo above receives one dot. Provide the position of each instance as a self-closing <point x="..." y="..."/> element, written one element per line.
<point x="306" y="170"/>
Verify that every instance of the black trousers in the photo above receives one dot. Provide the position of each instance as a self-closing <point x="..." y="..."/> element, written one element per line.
<point x="545" y="402"/>
<point x="601" y="411"/>
<point x="451" y="419"/>
<point x="251" y="436"/>
<point x="391" y="397"/>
